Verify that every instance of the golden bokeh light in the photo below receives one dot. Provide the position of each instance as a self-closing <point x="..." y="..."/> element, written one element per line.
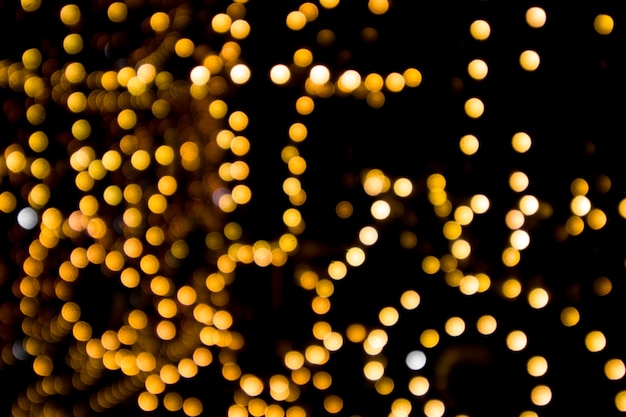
<point x="254" y="202"/>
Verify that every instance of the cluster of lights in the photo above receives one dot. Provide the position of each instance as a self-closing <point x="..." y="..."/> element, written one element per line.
<point x="172" y="161"/>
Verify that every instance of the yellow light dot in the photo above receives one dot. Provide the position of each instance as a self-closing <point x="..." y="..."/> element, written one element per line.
<point x="337" y="270"/>
<point x="30" y="5"/>
<point x="329" y="4"/>
<point x="81" y="331"/>
<point x="595" y="341"/>
<point x="241" y="194"/>
<point x="412" y="77"/>
<point x="70" y="14"/>
<point x="388" y="316"/>
<point x="538" y="298"/>
<point x="394" y="82"/>
<point x="305" y="105"/>
<point x="474" y="107"/>
<point x="251" y="385"/>
<point x="298" y="132"/>
<point x="221" y="23"/>
<point x="73" y="43"/>
<point x="434" y="408"/>
<point x="296" y="20"/>
<point x="510" y="257"/>
<point x="349" y="81"/>
<point x="537" y="366"/>
<point x="31" y="58"/>
<point x="455" y="326"/>
<point x="218" y="109"/>
<point x="536" y="17"/>
<point x="596" y="219"/>
<point x="486" y="324"/>
<point x="38" y="141"/>
<point x="8" y="202"/>
<point x="378" y="7"/>
<point x="602" y="286"/>
<point x="184" y="47"/>
<point x="480" y="30"/>
<point x="303" y="57"/>
<point x="127" y="119"/>
<point x="429" y="338"/>
<point x="240" y="29"/>
<point x="42" y="365"/>
<point x="603" y="24"/>
<point x="297" y="166"/>
<point x="516" y="340"/>
<point x="541" y="395"/>
<point x="36" y="114"/>
<point x="529" y="60"/>
<point x="192" y="407"/>
<point x="614" y="369"/>
<point x="430" y="265"/>
<point x="469" y="144"/>
<point x="374" y="82"/>
<point x="373" y="370"/>
<point x="419" y="386"/>
<point x="570" y="316"/>
<point x="117" y="12"/>
<point x="521" y="142"/>
<point x="410" y="299"/>
<point x="620" y="401"/>
<point x="316" y="355"/>
<point x="460" y="249"/>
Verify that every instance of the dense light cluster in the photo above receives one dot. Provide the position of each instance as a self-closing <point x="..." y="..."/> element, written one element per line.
<point x="236" y="210"/>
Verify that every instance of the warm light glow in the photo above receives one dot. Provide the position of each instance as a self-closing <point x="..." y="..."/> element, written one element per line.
<point x="516" y="340"/>
<point x="603" y="24"/>
<point x="536" y="17"/>
<point x="529" y="60"/>
<point x="480" y="30"/>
